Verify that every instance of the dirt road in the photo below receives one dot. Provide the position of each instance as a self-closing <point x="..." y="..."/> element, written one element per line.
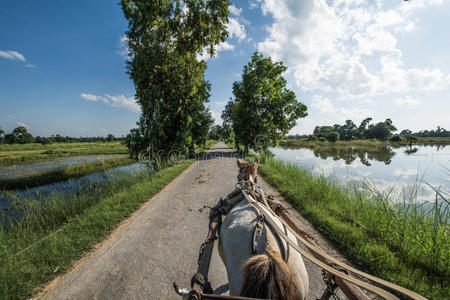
<point x="159" y="244"/>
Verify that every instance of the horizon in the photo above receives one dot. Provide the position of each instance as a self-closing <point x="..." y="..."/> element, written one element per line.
<point x="63" y="70"/>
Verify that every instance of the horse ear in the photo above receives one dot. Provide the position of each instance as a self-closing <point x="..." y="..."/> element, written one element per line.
<point x="241" y="163"/>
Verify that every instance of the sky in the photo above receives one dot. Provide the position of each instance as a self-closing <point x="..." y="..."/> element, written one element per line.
<point x="63" y="63"/>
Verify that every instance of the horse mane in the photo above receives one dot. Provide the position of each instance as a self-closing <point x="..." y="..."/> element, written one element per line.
<point x="268" y="276"/>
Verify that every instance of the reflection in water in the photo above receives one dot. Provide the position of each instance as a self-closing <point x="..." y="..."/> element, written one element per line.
<point x="69" y="188"/>
<point x="349" y="155"/>
<point x="399" y="171"/>
<point x="411" y="151"/>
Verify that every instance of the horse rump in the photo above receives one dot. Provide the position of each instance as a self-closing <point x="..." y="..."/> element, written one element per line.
<point x="268" y="276"/>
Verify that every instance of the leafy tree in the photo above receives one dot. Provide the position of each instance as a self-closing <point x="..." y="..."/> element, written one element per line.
<point x="411" y="139"/>
<point x="164" y="39"/>
<point x="201" y="126"/>
<point x="381" y="131"/>
<point x="227" y="113"/>
<point x="405" y="132"/>
<point x="214" y="133"/>
<point x="110" y="138"/>
<point x="19" y="135"/>
<point x="363" y="127"/>
<point x="264" y="110"/>
<point x="348" y="131"/>
<point x="45" y="141"/>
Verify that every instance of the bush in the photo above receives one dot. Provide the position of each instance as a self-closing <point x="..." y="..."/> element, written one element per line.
<point x="396" y="138"/>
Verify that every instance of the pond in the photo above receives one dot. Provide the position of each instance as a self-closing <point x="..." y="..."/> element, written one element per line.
<point x="403" y="171"/>
<point x="24" y="170"/>
<point x="72" y="186"/>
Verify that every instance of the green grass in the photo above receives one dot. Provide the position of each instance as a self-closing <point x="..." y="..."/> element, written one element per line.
<point x="24" y="153"/>
<point x="408" y="246"/>
<point x="57" y="231"/>
<point x="63" y="174"/>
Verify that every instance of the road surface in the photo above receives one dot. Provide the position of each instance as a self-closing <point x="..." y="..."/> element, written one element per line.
<point x="159" y="243"/>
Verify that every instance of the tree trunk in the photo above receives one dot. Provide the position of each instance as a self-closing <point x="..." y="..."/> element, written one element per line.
<point x="191" y="151"/>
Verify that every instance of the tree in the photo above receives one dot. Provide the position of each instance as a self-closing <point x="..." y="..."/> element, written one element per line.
<point x="363" y="127"/>
<point x="19" y="135"/>
<point x="348" y="131"/>
<point x="164" y="39"/>
<point x="411" y="139"/>
<point x="327" y="132"/>
<point x="264" y="110"/>
<point x="1" y="133"/>
<point x="405" y="132"/>
<point x="110" y="138"/>
<point x="201" y="126"/>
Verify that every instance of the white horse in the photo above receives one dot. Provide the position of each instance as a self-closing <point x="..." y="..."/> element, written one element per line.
<point x="265" y="275"/>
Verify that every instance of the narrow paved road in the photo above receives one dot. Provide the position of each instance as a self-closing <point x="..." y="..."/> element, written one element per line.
<point x="159" y="244"/>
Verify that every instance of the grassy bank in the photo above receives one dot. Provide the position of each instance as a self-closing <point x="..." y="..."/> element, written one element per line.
<point x="407" y="246"/>
<point x="362" y="144"/>
<point x="23" y="153"/>
<point x="58" y="231"/>
<point x="63" y="174"/>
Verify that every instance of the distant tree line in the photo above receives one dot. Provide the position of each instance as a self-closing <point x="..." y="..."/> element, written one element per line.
<point x="381" y="131"/>
<point x="20" y="135"/>
<point x="350" y="131"/>
<point x="439" y="132"/>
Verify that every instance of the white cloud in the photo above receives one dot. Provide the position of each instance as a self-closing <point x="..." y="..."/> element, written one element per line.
<point x="335" y="47"/>
<point x="407" y="101"/>
<point x="216" y="116"/>
<point x="236" y="29"/>
<point x="30" y="66"/>
<point x="323" y="104"/>
<point x="22" y="124"/>
<point x="234" y="10"/>
<point x="332" y="112"/>
<point x="405" y="172"/>
<point x="115" y="101"/>
<point x="12" y="55"/>
<point x="122" y="47"/>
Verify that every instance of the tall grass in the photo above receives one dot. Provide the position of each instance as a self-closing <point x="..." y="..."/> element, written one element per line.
<point x="405" y="243"/>
<point x="57" y="230"/>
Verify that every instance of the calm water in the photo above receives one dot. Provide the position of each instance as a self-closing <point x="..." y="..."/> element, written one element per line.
<point x="71" y="186"/>
<point x="19" y="171"/>
<point x="387" y="168"/>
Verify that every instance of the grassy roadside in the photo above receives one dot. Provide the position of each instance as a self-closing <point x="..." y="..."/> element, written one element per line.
<point x="64" y="174"/>
<point x="18" y="153"/>
<point x="44" y="245"/>
<point x="362" y="144"/>
<point x="409" y="246"/>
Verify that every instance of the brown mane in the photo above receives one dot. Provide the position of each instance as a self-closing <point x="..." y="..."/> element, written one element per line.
<point x="269" y="277"/>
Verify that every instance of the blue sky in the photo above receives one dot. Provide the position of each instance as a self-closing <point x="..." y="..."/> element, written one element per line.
<point x="62" y="63"/>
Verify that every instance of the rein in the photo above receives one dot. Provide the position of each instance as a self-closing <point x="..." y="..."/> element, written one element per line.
<point x="333" y="268"/>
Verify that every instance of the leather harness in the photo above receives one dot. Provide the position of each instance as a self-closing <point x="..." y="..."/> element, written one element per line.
<point x="341" y="272"/>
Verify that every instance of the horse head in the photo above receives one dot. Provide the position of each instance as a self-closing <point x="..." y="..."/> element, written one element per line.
<point x="247" y="171"/>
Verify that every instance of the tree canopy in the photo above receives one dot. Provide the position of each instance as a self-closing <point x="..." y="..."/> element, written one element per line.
<point x="263" y="110"/>
<point x="164" y="39"/>
<point x="19" y="135"/>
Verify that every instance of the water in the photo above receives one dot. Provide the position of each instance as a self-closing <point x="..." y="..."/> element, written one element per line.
<point x="72" y="186"/>
<point x="398" y="170"/>
<point x="25" y="170"/>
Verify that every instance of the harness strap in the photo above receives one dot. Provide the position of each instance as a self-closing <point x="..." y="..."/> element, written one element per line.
<point x="327" y="257"/>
